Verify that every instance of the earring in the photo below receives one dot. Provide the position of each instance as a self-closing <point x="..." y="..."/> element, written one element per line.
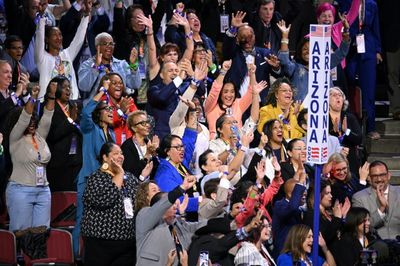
<point x="104" y="166"/>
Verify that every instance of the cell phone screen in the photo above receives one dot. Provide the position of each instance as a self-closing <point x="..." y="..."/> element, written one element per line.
<point x="203" y="259"/>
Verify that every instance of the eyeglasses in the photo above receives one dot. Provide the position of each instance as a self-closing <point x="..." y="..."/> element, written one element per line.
<point x="300" y="149"/>
<point x="378" y="175"/>
<point x="337" y="94"/>
<point x="179" y="147"/>
<point x="143" y="123"/>
<point x="112" y="44"/>
<point x="344" y="169"/>
<point x="107" y="108"/>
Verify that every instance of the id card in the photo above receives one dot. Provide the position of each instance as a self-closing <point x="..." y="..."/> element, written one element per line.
<point x="39" y="176"/>
<point x="334" y="74"/>
<point x="360" y="43"/>
<point x="128" y="208"/>
<point x="73" y="147"/>
<point x="142" y="69"/>
<point x="224" y="22"/>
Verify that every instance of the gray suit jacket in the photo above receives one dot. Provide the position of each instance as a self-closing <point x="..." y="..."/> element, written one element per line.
<point x="389" y="225"/>
<point x="153" y="237"/>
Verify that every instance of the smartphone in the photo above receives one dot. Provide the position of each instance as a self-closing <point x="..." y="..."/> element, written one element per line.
<point x="203" y="259"/>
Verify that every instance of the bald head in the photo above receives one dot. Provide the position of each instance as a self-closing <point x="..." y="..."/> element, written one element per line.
<point x="246" y="38"/>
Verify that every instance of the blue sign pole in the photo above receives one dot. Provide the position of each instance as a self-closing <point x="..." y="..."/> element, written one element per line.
<point x="317" y="188"/>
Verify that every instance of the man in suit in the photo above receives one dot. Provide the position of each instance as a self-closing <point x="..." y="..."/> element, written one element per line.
<point x="239" y="45"/>
<point x="382" y="200"/>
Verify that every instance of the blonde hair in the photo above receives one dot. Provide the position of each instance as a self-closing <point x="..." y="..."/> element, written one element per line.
<point x="132" y="117"/>
<point x="339" y="158"/>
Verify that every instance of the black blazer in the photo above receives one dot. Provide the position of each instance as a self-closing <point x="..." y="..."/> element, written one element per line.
<point x="132" y="161"/>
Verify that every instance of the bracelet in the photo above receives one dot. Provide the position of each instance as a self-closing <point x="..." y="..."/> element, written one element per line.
<point x="233" y="30"/>
<point x="134" y="66"/>
<point x="195" y="82"/>
<point x="189" y="36"/>
<point x="151" y="33"/>
<point x="222" y="72"/>
<point x="244" y="149"/>
<point x="225" y="173"/>
<point x="104" y="90"/>
<point x="32" y="100"/>
<point x="285" y="41"/>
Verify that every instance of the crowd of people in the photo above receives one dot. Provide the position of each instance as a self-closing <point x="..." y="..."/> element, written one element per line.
<point x="180" y="125"/>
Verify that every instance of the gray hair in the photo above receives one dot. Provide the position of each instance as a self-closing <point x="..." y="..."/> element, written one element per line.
<point x="345" y="101"/>
<point x="101" y="36"/>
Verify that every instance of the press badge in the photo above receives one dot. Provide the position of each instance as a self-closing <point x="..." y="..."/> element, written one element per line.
<point x="360" y="43"/>
<point x="224" y="23"/>
<point x="39" y="176"/>
<point x="142" y="69"/>
<point x="128" y="208"/>
<point x="73" y="147"/>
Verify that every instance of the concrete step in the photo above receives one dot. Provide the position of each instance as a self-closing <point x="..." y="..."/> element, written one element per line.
<point x="392" y="161"/>
<point x="387" y="144"/>
<point x="388" y="127"/>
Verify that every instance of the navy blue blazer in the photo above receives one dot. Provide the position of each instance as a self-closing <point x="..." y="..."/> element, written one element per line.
<point x="162" y="101"/>
<point x="238" y="70"/>
<point x="285" y="215"/>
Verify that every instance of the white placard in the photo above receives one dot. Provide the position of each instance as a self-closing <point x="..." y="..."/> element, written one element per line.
<point x="318" y="92"/>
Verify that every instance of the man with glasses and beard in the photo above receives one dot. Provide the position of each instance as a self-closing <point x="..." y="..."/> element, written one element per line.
<point x="382" y="200"/>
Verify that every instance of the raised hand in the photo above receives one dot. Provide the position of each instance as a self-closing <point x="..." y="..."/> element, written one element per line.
<point x="186" y="66"/>
<point x="273" y="61"/>
<point x="259" y="87"/>
<point x="383" y="202"/>
<point x="99" y="56"/>
<point x="346" y="207"/>
<point x="188" y="182"/>
<point x="146" y="21"/>
<point x="22" y="84"/>
<point x="147" y="169"/>
<point x="282" y="27"/>
<point x="364" y="171"/>
<point x="188" y="102"/>
<point x="260" y="170"/>
<point x="183" y="205"/>
<point x="226" y="65"/>
<point x="247" y="139"/>
<point x="35" y="91"/>
<point x="125" y="104"/>
<point x="296" y="107"/>
<point x="106" y="84"/>
<point x="237" y="19"/>
<point x="337" y="209"/>
<point x="251" y="68"/>
<point x="276" y="165"/>
<point x="200" y="72"/>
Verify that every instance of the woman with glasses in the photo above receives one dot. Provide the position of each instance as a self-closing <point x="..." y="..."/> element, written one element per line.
<point x="140" y="152"/>
<point x="50" y="57"/>
<point x="343" y="184"/>
<point x="96" y="127"/>
<point x="175" y="155"/>
<point x="355" y="236"/>
<point x="252" y="251"/>
<point x="280" y="106"/>
<point x="64" y="139"/>
<point x="344" y="125"/>
<point x="121" y="105"/>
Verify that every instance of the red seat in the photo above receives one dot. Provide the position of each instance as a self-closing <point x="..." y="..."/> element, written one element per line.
<point x="59" y="249"/>
<point x="8" y="252"/>
<point x="61" y="200"/>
